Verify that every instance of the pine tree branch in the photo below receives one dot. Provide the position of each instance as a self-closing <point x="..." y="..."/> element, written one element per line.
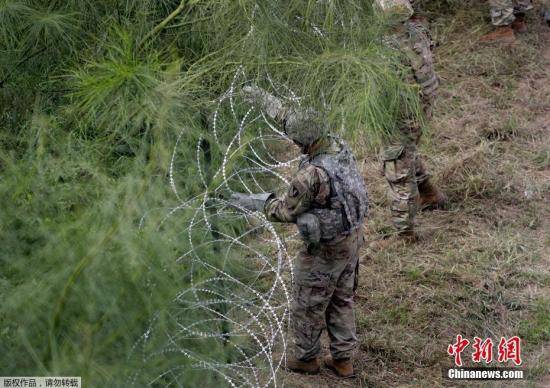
<point x="168" y="19"/>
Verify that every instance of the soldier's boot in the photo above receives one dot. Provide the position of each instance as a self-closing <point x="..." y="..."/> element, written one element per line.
<point x="519" y="25"/>
<point x="503" y="34"/>
<point x="342" y="368"/>
<point x="402" y="238"/>
<point x="430" y="196"/>
<point x="310" y="367"/>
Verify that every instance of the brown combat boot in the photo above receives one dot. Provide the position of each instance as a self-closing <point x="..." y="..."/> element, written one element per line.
<point x="518" y="25"/>
<point x="310" y="367"/>
<point x="430" y="197"/>
<point x="403" y="238"/>
<point x="342" y="368"/>
<point x="504" y="34"/>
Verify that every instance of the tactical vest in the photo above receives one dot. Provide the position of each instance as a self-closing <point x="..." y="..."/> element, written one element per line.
<point x="348" y="203"/>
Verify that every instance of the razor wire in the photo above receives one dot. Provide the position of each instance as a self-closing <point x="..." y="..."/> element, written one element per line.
<point x="242" y="298"/>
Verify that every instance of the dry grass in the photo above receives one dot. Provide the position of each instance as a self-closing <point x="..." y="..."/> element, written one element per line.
<point x="481" y="267"/>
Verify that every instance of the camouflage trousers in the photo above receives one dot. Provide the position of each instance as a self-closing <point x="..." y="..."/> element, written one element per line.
<point x="503" y="11"/>
<point x="324" y="288"/>
<point x="404" y="171"/>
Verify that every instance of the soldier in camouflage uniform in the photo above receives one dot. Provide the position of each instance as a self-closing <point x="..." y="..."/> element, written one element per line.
<point x="508" y="16"/>
<point x="410" y="184"/>
<point x="327" y="199"/>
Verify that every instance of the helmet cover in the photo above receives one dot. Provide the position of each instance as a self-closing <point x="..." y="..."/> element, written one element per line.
<point x="395" y="11"/>
<point x="304" y="126"/>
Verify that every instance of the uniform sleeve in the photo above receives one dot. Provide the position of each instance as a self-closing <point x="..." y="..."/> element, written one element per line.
<point x="421" y="61"/>
<point x="310" y="185"/>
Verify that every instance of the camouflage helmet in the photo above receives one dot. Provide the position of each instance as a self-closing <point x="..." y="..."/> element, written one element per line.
<point x="304" y="126"/>
<point x="395" y="11"/>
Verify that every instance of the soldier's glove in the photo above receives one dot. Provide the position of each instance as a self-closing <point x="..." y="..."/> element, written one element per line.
<point x="309" y="228"/>
<point x="252" y="202"/>
<point x="267" y="102"/>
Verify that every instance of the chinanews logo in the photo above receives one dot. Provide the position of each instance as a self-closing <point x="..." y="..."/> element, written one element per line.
<point x="485" y="352"/>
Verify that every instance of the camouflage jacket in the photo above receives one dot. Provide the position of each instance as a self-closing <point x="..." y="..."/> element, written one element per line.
<point x="328" y="186"/>
<point x="310" y="185"/>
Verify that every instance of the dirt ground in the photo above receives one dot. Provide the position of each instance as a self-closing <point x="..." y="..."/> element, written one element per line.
<point x="481" y="267"/>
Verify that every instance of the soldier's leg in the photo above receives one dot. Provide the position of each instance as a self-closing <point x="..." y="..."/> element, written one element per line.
<point x="420" y="171"/>
<point x="522" y="6"/>
<point x="313" y="287"/>
<point x="503" y="18"/>
<point x="502" y="12"/>
<point x="399" y="170"/>
<point x="430" y="196"/>
<point x="505" y="13"/>
<point x="340" y="316"/>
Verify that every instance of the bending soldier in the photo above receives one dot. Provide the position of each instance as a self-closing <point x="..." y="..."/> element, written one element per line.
<point x="409" y="182"/>
<point x="328" y="201"/>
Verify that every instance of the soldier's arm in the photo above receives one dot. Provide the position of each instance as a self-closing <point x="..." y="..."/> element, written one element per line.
<point x="290" y="117"/>
<point x="310" y="184"/>
<point x="422" y="64"/>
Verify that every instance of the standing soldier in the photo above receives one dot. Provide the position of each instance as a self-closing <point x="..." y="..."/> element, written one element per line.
<point x="508" y="16"/>
<point x="327" y="199"/>
<point x="410" y="184"/>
